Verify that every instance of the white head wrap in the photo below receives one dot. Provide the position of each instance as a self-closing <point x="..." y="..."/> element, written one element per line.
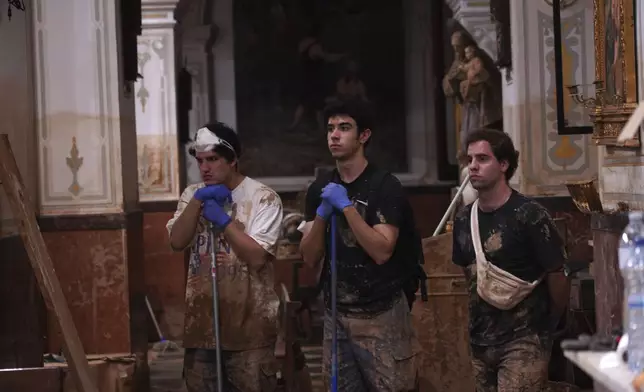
<point x="206" y="140"/>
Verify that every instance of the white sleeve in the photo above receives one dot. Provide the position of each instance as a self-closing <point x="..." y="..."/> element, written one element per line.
<point x="266" y="222"/>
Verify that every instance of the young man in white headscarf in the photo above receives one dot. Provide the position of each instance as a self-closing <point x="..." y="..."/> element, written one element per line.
<point x="246" y="217"/>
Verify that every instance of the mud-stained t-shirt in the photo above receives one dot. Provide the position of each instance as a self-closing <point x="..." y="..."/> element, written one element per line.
<point x="364" y="288"/>
<point x="248" y="303"/>
<point x="520" y="238"/>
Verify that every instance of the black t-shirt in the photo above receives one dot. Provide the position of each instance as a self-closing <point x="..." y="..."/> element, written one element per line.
<point x="363" y="287"/>
<point x="520" y="238"/>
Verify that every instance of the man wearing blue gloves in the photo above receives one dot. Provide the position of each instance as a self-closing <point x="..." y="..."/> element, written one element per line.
<point x="246" y="216"/>
<point x="376" y="344"/>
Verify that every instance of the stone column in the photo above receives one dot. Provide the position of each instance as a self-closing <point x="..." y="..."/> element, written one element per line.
<point x="156" y="106"/>
<point x="548" y="160"/>
<point x="88" y="196"/>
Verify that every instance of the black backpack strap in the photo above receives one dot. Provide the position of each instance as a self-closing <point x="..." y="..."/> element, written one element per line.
<point x="377" y="178"/>
<point x="326" y="176"/>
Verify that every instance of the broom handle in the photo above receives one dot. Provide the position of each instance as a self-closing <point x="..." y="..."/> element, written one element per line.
<point x="334" y="310"/>
<point x="154" y="319"/>
<point x="452" y="205"/>
<point x="215" y="303"/>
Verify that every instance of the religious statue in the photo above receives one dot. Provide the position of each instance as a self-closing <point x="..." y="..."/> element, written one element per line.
<point x="476" y="76"/>
<point x="472" y="83"/>
<point x="475" y="84"/>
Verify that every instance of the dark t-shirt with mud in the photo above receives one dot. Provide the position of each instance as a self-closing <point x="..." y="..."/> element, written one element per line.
<point x="364" y="288"/>
<point x="520" y="238"/>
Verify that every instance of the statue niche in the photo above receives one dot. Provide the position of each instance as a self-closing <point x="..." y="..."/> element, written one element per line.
<point x="475" y="84"/>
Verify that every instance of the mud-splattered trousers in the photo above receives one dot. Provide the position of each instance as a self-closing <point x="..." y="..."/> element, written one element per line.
<point x="378" y="354"/>
<point x="520" y="365"/>
<point x="243" y="371"/>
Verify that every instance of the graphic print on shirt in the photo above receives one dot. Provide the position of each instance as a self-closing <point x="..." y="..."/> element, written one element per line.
<point x="248" y="303"/>
<point x="201" y="251"/>
<point x="495" y="241"/>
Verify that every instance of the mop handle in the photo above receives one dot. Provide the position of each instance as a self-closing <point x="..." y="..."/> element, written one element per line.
<point x="334" y="310"/>
<point x="215" y="303"/>
<point x="452" y="205"/>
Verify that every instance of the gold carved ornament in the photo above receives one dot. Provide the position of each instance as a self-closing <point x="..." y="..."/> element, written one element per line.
<point x="610" y="111"/>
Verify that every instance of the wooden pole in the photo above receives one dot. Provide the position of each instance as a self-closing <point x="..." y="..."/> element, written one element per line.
<point x="42" y="265"/>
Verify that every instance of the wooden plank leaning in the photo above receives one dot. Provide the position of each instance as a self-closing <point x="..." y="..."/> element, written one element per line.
<point x="25" y="216"/>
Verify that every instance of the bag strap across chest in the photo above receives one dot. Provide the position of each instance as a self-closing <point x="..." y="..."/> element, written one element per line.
<point x="482" y="264"/>
<point x="481" y="261"/>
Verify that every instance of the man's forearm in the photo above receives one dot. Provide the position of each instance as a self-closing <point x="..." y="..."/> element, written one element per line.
<point x="559" y="290"/>
<point x="312" y="244"/>
<point x="245" y="247"/>
<point x="374" y="243"/>
<point x="183" y="230"/>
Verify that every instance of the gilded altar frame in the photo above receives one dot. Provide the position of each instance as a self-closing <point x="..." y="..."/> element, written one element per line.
<point x="617" y="100"/>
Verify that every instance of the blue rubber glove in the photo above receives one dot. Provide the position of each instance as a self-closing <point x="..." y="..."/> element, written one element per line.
<point x="336" y="195"/>
<point x="215" y="214"/>
<point x="220" y="193"/>
<point x="324" y="210"/>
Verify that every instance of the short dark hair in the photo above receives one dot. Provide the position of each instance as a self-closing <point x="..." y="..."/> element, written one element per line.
<point x="228" y="134"/>
<point x="501" y="145"/>
<point x="359" y="112"/>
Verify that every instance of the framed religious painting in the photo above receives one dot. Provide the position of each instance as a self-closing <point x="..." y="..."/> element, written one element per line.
<point x="615" y="71"/>
<point x="294" y="58"/>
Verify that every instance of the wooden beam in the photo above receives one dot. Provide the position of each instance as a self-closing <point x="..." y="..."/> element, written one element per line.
<point x="25" y="216"/>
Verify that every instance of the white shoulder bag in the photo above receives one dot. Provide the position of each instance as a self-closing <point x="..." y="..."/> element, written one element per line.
<point x="495" y="286"/>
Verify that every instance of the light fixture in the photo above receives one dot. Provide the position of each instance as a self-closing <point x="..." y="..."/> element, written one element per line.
<point x="600" y="99"/>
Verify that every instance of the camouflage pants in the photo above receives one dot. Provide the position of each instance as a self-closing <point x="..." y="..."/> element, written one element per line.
<point x="244" y="371"/>
<point x="520" y="365"/>
<point x="378" y="354"/>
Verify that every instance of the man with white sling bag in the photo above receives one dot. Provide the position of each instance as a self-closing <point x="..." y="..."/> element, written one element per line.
<point x="513" y="257"/>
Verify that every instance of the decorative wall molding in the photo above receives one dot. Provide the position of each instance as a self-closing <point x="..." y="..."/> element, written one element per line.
<point x="78" y="96"/>
<point x="156" y="116"/>
<point x="474" y="16"/>
<point x="158" y="13"/>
